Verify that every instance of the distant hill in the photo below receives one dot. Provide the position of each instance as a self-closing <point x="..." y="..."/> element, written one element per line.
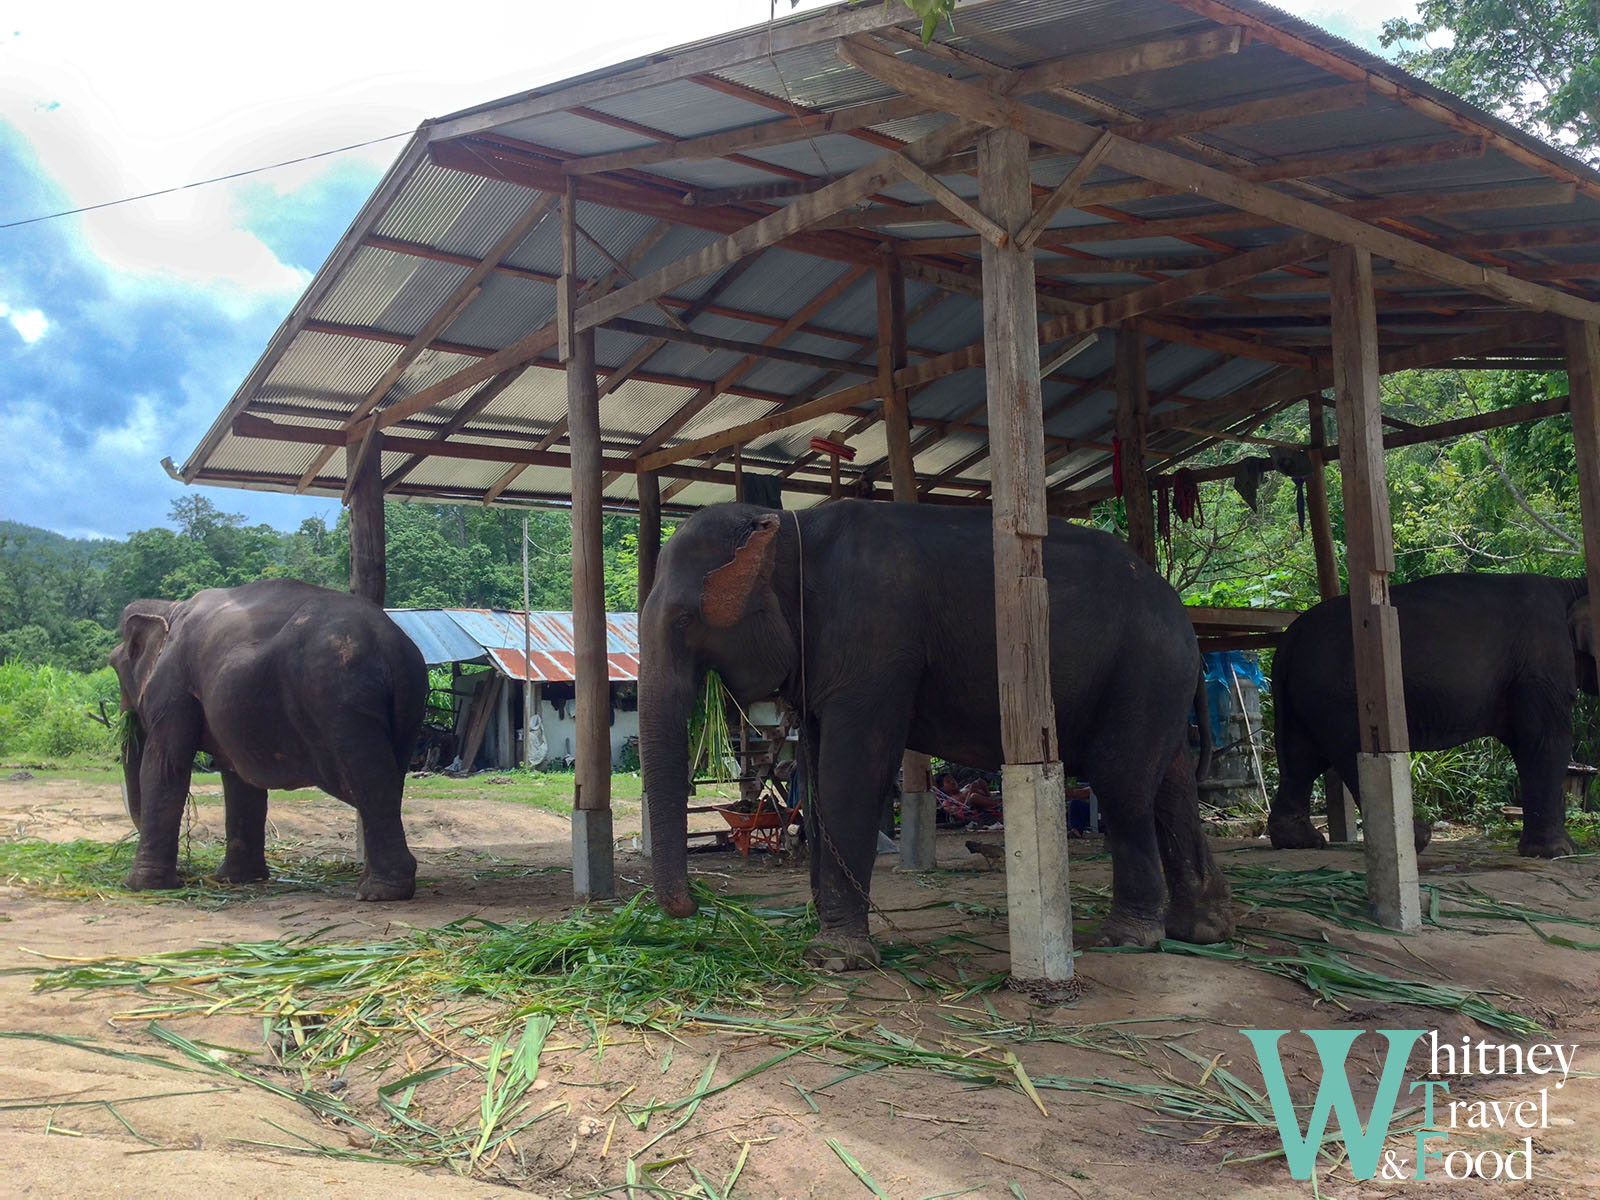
<point x="42" y="544"/>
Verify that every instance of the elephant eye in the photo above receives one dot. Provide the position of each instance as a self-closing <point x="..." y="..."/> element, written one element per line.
<point x="681" y="621"/>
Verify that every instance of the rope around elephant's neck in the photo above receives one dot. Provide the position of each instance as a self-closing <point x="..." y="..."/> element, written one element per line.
<point x="814" y="785"/>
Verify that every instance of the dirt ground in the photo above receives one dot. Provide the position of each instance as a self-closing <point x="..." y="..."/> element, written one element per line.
<point x="915" y="1133"/>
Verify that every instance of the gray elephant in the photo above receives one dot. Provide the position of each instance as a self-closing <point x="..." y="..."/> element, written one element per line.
<point x="1498" y="656"/>
<point x="876" y="623"/>
<point x="286" y="685"/>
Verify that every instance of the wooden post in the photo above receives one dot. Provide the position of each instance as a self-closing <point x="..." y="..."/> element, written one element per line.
<point x="649" y="484"/>
<point x="1583" y="385"/>
<point x="1035" y="789"/>
<point x="1383" y="761"/>
<point x="918" y="809"/>
<point x="1133" y="410"/>
<point x="592" y="868"/>
<point x="1341" y="804"/>
<point x="368" y="566"/>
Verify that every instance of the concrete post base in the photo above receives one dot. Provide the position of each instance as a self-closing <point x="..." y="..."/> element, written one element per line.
<point x="644" y="826"/>
<point x="918" y="812"/>
<point x="361" y="841"/>
<point x="1392" y="892"/>
<point x="1342" y="812"/>
<point x="1036" y="871"/>
<point x="593" y="877"/>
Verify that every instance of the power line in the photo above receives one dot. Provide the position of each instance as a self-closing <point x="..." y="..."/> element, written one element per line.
<point x="70" y="212"/>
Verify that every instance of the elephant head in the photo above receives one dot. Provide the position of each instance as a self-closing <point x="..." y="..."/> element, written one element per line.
<point x="144" y="628"/>
<point x="715" y="605"/>
<point x="1582" y="629"/>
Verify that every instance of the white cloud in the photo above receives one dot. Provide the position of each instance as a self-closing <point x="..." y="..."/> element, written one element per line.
<point x="30" y="323"/>
<point x="137" y="98"/>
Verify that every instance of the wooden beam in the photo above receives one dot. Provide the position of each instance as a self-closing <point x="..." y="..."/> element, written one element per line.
<point x="1138" y="59"/>
<point x="368" y="550"/>
<point x="964" y="211"/>
<point x="896" y="401"/>
<point x="1133" y="412"/>
<point x="696" y="403"/>
<point x="1290" y="107"/>
<point x="649" y="485"/>
<point x="774" y="227"/>
<point x="1203" y="282"/>
<point x="1322" y="544"/>
<point x="782" y="132"/>
<point x="1063" y="194"/>
<point x="1583" y="384"/>
<point x="1036" y="843"/>
<point x="480" y="400"/>
<point x="1375" y="627"/>
<point x="751" y="349"/>
<point x="978" y="104"/>
<point x="592" y="787"/>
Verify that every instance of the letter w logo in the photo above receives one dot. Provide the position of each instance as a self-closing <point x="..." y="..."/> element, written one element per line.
<point x="1333" y="1093"/>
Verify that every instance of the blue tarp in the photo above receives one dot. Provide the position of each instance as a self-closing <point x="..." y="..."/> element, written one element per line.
<point x="1221" y="666"/>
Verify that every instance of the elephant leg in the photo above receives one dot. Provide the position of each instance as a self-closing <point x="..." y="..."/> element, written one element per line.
<point x="852" y="761"/>
<point x="1542" y="749"/>
<point x="245" y="819"/>
<point x="1125" y="779"/>
<point x="1289" y="821"/>
<point x="164" y="770"/>
<point x="1199" y="901"/>
<point x="370" y="783"/>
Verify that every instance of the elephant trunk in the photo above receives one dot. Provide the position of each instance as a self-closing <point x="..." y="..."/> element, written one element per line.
<point x="665" y="705"/>
<point x="132" y="759"/>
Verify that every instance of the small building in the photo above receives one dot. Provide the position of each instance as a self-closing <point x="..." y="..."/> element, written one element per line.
<point x="534" y="647"/>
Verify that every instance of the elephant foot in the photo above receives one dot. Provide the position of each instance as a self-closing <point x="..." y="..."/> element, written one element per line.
<point x="374" y="887"/>
<point x="1294" y="833"/>
<point x="244" y="869"/>
<point x="1121" y="929"/>
<point x="1546" y="845"/>
<point x="842" y="952"/>
<point x="145" y="878"/>
<point x="1421" y="834"/>
<point x="1206" y="920"/>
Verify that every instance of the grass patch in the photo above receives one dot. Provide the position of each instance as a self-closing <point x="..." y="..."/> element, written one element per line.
<point x="86" y="870"/>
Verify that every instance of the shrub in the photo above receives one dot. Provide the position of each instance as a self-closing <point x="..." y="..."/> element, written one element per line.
<point x="45" y="714"/>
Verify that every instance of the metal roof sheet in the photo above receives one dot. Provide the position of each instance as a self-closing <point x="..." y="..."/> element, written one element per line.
<point x="422" y="232"/>
<point x="497" y="635"/>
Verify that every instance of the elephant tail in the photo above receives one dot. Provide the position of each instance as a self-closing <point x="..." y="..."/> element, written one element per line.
<point x="1202" y="720"/>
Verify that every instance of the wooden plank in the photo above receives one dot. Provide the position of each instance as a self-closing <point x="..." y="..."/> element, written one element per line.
<point x="1583" y="383"/>
<point x="781" y="132"/>
<point x="1138" y="59"/>
<point x="977" y="104"/>
<point x="1369" y="537"/>
<point x="1063" y="193"/>
<point x="896" y="401"/>
<point x="1206" y="617"/>
<point x="1041" y="925"/>
<point x="750" y="349"/>
<point x="1322" y="545"/>
<point x="368" y="550"/>
<point x="1133" y="411"/>
<point x="649" y="485"/>
<point x="1203" y="282"/>
<point x="946" y="198"/>
<point x="696" y="403"/>
<point x="1247" y="113"/>
<point x="1309" y="167"/>
<point x="774" y="227"/>
<point x="592" y="785"/>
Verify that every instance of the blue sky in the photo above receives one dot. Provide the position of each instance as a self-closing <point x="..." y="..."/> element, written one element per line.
<point x="124" y="331"/>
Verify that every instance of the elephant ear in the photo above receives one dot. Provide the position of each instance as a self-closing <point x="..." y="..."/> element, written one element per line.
<point x="144" y="629"/>
<point x="1582" y="631"/>
<point x="727" y="589"/>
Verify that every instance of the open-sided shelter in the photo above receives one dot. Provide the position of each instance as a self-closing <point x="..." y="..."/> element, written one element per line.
<point x="1065" y="231"/>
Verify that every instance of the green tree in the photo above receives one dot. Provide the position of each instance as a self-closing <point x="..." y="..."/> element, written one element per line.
<point x="1536" y="62"/>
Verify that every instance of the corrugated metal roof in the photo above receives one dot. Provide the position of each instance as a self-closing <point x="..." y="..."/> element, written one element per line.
<point x="424" y="229"/>
<point x="447" y="635"/>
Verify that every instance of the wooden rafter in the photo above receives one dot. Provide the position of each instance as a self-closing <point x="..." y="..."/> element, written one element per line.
<point x="978" y="104"/>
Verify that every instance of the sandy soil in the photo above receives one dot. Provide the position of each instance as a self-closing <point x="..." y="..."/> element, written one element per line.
<point x="917" y="1134"/>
